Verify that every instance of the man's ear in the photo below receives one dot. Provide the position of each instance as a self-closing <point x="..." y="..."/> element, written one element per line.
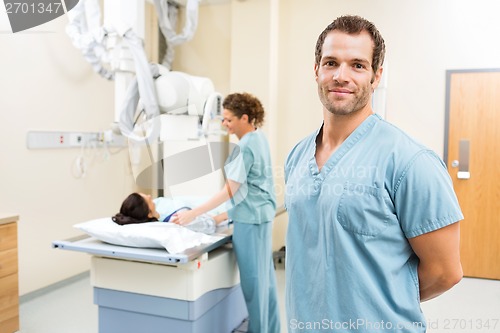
<point x="376" y="78"/>
<point x="316" y="67"/>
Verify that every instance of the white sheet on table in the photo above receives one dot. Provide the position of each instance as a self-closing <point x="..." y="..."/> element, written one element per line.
<point x="174" y="238"/>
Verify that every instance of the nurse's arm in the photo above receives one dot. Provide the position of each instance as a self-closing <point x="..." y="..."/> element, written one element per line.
<point x="220" y="217"/>
<point x="226" y="193"/>
<point x="439" y="268"/>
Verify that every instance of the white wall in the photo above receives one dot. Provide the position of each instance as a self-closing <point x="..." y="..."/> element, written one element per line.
<point x="47" y="85"/>
<point x="423" y="38"/>
<point x="262" y="46"/>
<point x="208" y="53"/>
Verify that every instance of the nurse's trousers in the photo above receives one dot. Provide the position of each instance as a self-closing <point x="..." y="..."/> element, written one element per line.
<point x="252" y="244"/>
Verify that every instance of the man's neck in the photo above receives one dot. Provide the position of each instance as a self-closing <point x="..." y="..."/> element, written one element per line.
<point x="336" y="129"/>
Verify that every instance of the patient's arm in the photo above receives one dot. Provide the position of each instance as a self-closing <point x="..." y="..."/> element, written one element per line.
<point x="226" y="193"/>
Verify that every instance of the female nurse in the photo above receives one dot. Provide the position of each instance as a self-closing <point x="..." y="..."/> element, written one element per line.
<point x="250" y="188"/>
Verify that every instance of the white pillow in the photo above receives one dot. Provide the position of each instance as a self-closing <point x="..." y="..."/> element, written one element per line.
<point x="174" y="238"/>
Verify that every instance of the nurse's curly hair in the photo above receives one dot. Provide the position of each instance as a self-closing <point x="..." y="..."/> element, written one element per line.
<point x="245" y="103"/>
<point x="134" y="209"/>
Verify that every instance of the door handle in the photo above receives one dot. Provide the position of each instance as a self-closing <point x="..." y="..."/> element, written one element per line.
<point x="463" y="159"/>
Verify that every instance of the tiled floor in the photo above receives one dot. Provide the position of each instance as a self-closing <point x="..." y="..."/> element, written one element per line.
<point x="473" y="306"/>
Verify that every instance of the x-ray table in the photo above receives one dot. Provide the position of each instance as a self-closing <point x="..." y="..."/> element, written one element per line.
<point x="149" y="290"/>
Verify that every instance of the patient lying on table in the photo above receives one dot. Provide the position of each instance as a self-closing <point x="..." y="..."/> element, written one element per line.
<point x="141" y="208"/>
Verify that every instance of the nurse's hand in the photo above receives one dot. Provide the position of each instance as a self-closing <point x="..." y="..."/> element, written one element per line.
<point x="220" y="217"/>
<point x="183" y="218"/>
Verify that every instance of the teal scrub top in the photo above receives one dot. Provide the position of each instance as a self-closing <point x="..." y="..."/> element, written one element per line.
<point x="349" y="265"/>
<point x="249" y="164"/>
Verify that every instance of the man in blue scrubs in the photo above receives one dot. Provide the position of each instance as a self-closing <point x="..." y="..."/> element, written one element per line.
<point x="373" y="218"/>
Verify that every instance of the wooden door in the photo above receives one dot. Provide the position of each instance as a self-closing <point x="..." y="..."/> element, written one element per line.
<point x="473" y="129"/>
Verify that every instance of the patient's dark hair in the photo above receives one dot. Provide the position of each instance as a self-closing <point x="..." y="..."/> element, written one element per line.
<point x="134" y="209"/>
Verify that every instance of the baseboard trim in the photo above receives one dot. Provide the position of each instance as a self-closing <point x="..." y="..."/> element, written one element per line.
<point x="45" y="290"/>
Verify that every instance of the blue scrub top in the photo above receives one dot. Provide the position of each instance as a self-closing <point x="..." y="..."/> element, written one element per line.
<point x="349" y="263"/>
<point x="166" y="206"/>
<point x="249" y="164"/>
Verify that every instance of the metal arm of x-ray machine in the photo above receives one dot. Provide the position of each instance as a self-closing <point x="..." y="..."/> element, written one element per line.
<point x="177" y="106"/>
<point x="148" y="290"/>
<point x="118" y="43"/>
